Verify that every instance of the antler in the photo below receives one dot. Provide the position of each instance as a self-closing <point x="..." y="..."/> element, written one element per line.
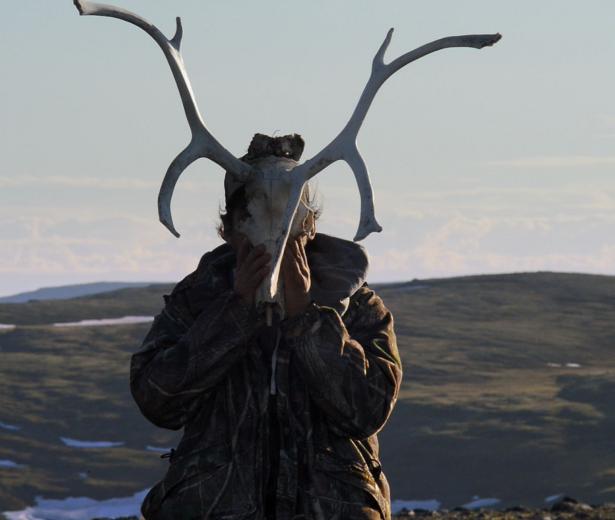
<point x="203" y="143"/>
<point x="344" y="146"/>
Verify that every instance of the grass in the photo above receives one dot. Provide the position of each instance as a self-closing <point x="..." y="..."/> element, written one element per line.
<point x="480" y="411"/>
<point x="73" y="383"/>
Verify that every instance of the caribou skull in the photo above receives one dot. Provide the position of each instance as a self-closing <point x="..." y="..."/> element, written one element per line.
<point x="274" y="186"/>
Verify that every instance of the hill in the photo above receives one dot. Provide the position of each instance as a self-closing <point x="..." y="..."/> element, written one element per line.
<point x="142" y="301"/>
<point x="508" y="392"/>
<point x="63" y="292"/>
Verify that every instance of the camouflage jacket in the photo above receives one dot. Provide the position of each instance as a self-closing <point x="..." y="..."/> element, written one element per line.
<point x="318" y="384"/>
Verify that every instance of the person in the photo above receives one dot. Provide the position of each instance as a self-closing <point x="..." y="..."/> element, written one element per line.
<point x="280" y="422"/>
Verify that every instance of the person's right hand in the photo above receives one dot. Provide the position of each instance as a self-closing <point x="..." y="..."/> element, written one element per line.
<point x="252" y="268"/>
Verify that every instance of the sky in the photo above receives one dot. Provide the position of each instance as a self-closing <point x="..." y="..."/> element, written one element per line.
<point x="482" y="161"/>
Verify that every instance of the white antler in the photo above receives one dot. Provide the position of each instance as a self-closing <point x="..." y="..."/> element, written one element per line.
<point x="203" y="143"/>
<point x="344" y="146"/>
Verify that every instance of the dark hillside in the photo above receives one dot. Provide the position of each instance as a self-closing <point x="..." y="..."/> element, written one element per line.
<point x="508" y="389"/>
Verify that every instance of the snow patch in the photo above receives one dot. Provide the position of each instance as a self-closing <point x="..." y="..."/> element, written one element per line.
<point x="553" y="498"/>
<point x="126" y="320"/>
<point x="429" y="505"/>
<point x="81" y="508"/>
<point x="554" y="365"/>
<point x="157" y="449"/>
<point x="4" y="326"/>
<point x="74" y="443"/>
<point x="477" y="503"/>
<point x="4" y="463"/>
<point x="573" y="365"/>
<point x="11" y="427"/>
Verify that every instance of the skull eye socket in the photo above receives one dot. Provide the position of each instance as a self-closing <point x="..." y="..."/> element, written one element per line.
<point x="236" y="212"/>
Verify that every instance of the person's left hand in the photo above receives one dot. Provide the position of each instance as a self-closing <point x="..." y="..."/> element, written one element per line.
<point x="297" y="277"/>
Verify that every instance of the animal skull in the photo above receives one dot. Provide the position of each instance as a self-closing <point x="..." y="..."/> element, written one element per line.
<point x="275" y="185"/>
<point x="268" y="191"/>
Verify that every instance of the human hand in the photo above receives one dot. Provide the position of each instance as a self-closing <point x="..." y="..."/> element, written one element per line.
<point x="297" y="278"/>
<point x="252" y="268"/>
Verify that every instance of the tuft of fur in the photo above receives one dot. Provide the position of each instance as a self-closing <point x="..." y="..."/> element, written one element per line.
<point x="262" y="145"/>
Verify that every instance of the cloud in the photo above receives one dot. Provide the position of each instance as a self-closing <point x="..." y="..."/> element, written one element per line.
<point x="607" y="120"/>
<point x="27" y="181"/>
<point x="464" y="244"/>
<point x="103" y="247"/>
<point x="94" y="183"/>
<point x="436" y="260"/>
<point x="564" y="161"/>
<point x="435" y="239"/>
<point x="580" y="198"/>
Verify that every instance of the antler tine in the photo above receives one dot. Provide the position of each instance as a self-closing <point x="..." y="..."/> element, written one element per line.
<point x="344" y="145"/>
<point x="203" y="143"/>
<point x="185" y="158"/>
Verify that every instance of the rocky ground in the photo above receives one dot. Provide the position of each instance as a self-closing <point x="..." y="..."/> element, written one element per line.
<point x="565" y="509"/>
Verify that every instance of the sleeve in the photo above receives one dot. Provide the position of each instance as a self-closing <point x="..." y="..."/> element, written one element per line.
<point x="353" y="375"/>
<point x="177" y="364"/>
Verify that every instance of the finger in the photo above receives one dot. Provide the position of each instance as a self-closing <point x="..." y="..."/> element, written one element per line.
<point x="244" y="249"/>
<point x="290" y="257"/>
<point x="288" y="264"/>
<point x="257" y="278"/>
<point x="301" y="268"/>
<point x="304" y="255"/>
<point x="289" y="251"/>
<point x="293" y="274"/>
<point x="259" y="263"/>
<point x="256" y="251"/>
<point x="301" y="261"/>
<point x="285" y="267"/>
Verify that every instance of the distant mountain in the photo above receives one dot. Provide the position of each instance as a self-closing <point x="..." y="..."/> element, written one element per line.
<point x="64" y="292"/>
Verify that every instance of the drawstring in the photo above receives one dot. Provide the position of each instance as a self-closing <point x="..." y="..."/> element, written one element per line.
<point x="274" y="362"/>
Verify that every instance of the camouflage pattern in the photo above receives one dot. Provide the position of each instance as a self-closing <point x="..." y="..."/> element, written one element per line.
<point x="211" y="366"/>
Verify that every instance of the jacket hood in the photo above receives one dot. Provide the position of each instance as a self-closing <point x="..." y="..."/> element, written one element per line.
<point x="339" y="268"/>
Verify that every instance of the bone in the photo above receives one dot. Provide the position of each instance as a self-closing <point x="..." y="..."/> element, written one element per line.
<point x="276" y="214"/>
<point x="203" y="143"/>
<point x="344" y="146"/>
